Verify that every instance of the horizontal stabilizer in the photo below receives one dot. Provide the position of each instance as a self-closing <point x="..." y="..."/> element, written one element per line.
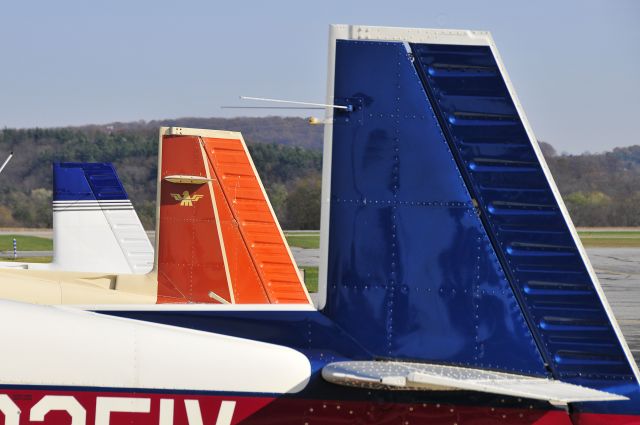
<point x="432" y="377"/>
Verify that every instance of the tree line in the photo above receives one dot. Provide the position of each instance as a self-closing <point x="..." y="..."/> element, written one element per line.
<point x="286" y="153"/>
<point x="600" y="189"/>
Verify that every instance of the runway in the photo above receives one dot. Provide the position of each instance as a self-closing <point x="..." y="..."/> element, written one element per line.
<point x="618" y="270"/>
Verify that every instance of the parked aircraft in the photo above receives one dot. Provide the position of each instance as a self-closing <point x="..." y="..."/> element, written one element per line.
<point x="95" y="227"/>
<point x="453" y="287"/>
<point x="217" y="238"/>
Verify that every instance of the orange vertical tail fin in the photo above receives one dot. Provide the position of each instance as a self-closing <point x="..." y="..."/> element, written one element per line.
<point x="218" y="240"/>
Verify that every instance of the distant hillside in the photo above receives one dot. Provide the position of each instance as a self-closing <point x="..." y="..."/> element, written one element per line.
<point x="286" y="152"/>
<point x="290" y="131"/>
<point x="599" y="189"/>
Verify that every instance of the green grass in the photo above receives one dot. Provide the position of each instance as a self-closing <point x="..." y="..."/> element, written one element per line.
<point x="613" y="238"/>
<point x="590" y="238"/>
<point x="610" y="233"/>
<point x="610" y="238"/>
<point x="25" y="243"/>
<point x="29" y="259"/>
<point x="311" y="278"/>
<point x="303" y="240"/>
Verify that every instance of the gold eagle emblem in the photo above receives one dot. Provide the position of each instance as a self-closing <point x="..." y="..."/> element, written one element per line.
<point x="186" y="200"/>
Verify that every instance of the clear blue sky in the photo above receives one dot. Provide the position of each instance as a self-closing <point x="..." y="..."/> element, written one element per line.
<point x="575" y="64"/>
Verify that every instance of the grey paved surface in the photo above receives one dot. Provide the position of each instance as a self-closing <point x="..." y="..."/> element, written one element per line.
<point x="306" y="257"/>
<point x="41" y="233"/>
<point x="619" y="272"/>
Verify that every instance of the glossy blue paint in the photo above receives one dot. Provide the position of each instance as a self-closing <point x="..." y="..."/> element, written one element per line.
<point x="309" y="332"/>
<point x="416" y="270"/>
<point x="411" y="272"/>
<point x="315" y="335"/>
<point x="522" y="218"/>
<point x="323" y="342"/>
<point x="75" y="181"/>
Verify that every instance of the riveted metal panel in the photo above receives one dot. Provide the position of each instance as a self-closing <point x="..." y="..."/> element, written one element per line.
<point x="520" y="213"/>
<point x="411" y="271"/>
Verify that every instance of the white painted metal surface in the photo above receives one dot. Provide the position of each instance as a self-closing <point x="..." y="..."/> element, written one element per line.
<point x="194" y="307"/>
<point x="96" y="236"/>
<point x="6" y="161"/>
<point x="198" y="132"/>
<point x="99" y="236"/>
<point x="432" y="377"/>
<point x="132" y="239"/>
<point x="121" y="353"/>
<point x="335" y="32"/>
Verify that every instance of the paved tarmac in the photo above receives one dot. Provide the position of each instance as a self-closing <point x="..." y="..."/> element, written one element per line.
<point x="618" y="270"/>
<point x="306" y="257"/>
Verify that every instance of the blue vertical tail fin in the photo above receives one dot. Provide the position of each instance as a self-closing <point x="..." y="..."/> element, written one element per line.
<point x="444" y="236"/>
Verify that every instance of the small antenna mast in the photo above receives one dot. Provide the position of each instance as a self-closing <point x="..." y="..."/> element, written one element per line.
<point x="6" y="161"/>
<point x="348" y="108"/>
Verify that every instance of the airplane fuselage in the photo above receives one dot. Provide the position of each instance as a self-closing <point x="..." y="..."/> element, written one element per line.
<point x="318" y="402"/>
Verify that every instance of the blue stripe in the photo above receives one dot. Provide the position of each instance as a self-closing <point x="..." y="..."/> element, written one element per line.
<point x="86" y="181"/>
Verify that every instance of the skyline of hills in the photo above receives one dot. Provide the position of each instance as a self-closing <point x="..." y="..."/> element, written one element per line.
<point x="601" y="189"/>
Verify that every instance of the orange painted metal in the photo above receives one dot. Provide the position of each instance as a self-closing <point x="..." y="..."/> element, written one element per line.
<point x="252" y="224"/>
<point x="190" y="261"/>
<point x="245" y="280"/>
<point x="227" y="246"/>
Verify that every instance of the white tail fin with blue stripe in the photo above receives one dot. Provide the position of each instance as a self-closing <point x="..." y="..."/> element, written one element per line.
<point x="95" y="227"/>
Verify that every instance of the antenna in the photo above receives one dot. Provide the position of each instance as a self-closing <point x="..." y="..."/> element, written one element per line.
<point x="6" y="161"/>
<point x="269" y="107"/>
<point x="347" y="108"/>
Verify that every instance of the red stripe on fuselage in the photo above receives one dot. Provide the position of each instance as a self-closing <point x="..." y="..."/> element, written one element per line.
<point x="253" y="410"/>
<point x="208" y="407"/>
<point x="604" y="419"/>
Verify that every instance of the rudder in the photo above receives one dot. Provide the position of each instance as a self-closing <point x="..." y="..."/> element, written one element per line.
<point x="215" y="217"/>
